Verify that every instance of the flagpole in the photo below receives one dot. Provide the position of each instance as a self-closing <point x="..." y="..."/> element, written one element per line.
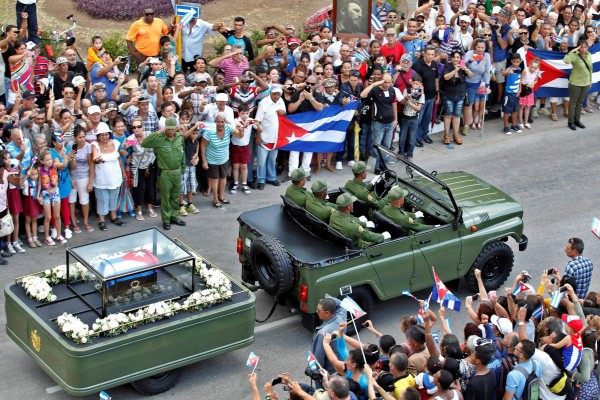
<point x="362" y="350"/>
<point x="256" y="365"/>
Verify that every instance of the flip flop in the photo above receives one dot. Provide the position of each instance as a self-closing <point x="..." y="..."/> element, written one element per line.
<point x="225" y="201"/>
<point x="218" y="205"/>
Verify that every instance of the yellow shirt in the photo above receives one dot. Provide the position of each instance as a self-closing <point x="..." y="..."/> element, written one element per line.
<point x="147" y="37"/>
<point x="402" y="384"/>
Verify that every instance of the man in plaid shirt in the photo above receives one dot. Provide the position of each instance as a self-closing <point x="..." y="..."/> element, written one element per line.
<point x="579" y="267"/>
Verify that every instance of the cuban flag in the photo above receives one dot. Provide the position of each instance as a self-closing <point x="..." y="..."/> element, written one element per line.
<point x="436" y="337"/>
<point x="572" y="354"/>
<point x="442" y="295"/>
<point x="521" y="287"/>
<point x="312" y="361"/>
<point x="252" y="360"/>
<point x="422" y="309"/>
<point x="538" y="313"/>
<point x="376" y="24"/>
<point x="554" y="73"/>
<point x="409" y="294"/>
<point x="350" y="305"/>
<point x="556" y="299"/>
<point x="104" y="396"/>
<point x="129" y="261"/>
<point x="316" y="131"/>
<point x="448" y="323"/>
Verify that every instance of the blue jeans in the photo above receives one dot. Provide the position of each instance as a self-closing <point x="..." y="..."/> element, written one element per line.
<point x="382" y="134"/>
<point x="32" y="24"/>
<point x="408" y="127"/>
<point x="265" y="164"/>
<point x="366" y="136"/>
<point x="106" y="200"/>
<point x="425" y="118"/>
<point x="252" y="154"/>
<point x="453" y="108"/>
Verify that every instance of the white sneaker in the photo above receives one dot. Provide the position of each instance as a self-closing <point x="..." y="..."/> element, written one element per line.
<point x="338" y="165"/>
<point x="68" y="233"/>
<point x="53" y="233"/>
<point x="10" y="249"/>
<point x="18" y="248"/>
<point x="351" y="163"/>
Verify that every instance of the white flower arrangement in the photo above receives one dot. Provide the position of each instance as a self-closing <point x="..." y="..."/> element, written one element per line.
<point x="59" y="274"/>
<point x="73" y="328"/>
<point x="38" y="288"/>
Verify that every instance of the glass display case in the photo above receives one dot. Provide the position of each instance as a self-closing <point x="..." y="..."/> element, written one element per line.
<point x="127" y="272"/>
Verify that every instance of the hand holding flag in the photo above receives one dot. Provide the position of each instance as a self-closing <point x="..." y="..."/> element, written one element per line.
<point x="252" y="361"/>
<point x="442" y="295"/>
<point x="352" y="307"/>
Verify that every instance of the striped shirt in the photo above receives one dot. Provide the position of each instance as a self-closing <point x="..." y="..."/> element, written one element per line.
<point x="217" y="149"/>
<point x="581" y="269"/>
<point x="40" y="71"/>
<point x="232" y="70"/>
<point x="238" y="97"/>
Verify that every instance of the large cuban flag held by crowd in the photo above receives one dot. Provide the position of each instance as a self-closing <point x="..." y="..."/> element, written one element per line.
<point x="554" y="78"/>
<point x="316" y="131"/>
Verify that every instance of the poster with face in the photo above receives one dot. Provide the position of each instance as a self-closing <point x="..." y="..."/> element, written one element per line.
<point x="351" y="18"/>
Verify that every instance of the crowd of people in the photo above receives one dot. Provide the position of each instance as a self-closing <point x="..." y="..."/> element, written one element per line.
<point x="525" y="342"/>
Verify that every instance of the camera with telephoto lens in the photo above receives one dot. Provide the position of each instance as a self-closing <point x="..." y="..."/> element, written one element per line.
<point x="416" y="94"/>
<point x="312" y="374"/>
<point x="496" y="26"/>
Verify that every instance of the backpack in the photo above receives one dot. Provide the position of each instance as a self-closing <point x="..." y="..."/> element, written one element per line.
<point x="532" y="383"/>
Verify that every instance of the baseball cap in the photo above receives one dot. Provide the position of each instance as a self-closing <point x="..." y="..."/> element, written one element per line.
<point x="99" y="85"/>
<point x="359" y="167"/>
<point x="329" y="82"/>
<point x="221" y="97"/>
<point x="100" y="52"/>
<point x="28" y="94"/>
<point x="171" y="123"/>
<point x="143" y="98"/>
<point x="496" y="9"/>
<point x="102" y="127"/>
<point x="94" y="110"/>
<point x="406" y="57"/>
<point x="503" y="324"/>
<point x="111" y="106"/>
<point x="318" y="186"/>
<point x="276" y="89"/>
<point x="397" y="193"/>
<point x="298" y="174"/>
<point x="345" y="199"/>
<point x="291" y="27"/>
<point x="504" y="12"/>
<point x="574" y="321"/>
<point x="200" y="78"/>
<point x="61" y="60"/>
<point x="465" y="18"/>
<point x="293" y="40"/>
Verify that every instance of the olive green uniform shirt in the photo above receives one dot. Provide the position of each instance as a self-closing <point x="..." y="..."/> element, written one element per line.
<point x="169" y="153"/>
<point x="353" y="228"/>
<point x="321" y="209"/>
<point x="364" y="192"/>
<point x="404" y="218"/>
<point x="581" y="74"/>
<point x="297" y="194"/>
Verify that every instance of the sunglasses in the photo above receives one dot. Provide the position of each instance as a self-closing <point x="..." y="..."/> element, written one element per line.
<point x="318" y="73"/>
<point x="136" y="126"/>
<point x="149" y="14"/>
<point x="524" y="33"/>
<point x="487" y="35"/>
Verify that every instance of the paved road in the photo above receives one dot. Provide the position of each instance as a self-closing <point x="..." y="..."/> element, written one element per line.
<point x="551" y="170"/>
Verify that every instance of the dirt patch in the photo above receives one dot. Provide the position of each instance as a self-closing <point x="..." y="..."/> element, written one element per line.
<point x="52" y="16"/>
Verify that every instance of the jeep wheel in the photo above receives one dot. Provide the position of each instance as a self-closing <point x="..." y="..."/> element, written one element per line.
<point x="158" y="383"/>
<point x="271" y="265"/>
<point x="495" y="263"/>
<point x="362" y="296"/>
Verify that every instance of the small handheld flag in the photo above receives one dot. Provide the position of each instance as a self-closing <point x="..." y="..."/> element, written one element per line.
<point x="352" y="307"/>
<point x="442" y="295"/>
<point x="556" y="299"/>
<point x="104" y="396"/>
<point x="521" y="287"/>
<point x="252" y="361"/>
<point x="312" y="361"/>
<point x="538" y="313"/>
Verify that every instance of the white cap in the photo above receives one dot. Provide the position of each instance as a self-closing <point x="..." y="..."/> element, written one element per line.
<point x="102" y="127"/>
<point x="94" y="110"/>
<point x="503" y="324"/>
<point x="78" y="80"/>
<point x="61" y="60"/>
<point x="221" y="97"/>
<point x="496" y="10"/>
<point x="465" y="18"/>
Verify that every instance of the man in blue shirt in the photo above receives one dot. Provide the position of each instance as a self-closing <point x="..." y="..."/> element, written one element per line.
<point x="515" y="381"/>
<point x="579" y="267"/>
<point x="332" y="315"/>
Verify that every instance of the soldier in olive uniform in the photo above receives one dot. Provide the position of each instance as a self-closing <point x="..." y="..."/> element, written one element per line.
<point x="362" y="190"/>
<point x="394" y="211"/>
<point x="318" y="205"/>
<point x="352" y="227"/>
<point x="168" y="146"/>
<point x="296" y="191"/>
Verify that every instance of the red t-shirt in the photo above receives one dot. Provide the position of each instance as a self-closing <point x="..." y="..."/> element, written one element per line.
<point x="393" y="54"/>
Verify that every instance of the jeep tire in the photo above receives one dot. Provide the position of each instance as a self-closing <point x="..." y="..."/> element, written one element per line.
<point x="271" y="265"/>
<point x="157" y="383"/>
<point x="495" y="262"/>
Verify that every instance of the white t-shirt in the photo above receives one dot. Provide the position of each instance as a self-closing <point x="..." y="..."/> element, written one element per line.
<point x="268" y="117"/>
<point x="549" y="372"/>
<point x="244" y="140"/>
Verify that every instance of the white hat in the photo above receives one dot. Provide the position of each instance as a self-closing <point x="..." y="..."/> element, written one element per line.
<point x="94" y="110"/>
<point x="221" y="97"/>
<point x="496" y="10"/>
<point x="276" y="89"/>
<point x="78" y="80"/>
<point x="61" y="60"/>
<point x="465" y="18"/>
<point x="102" y="128"/>
<point x="503" y="324"/>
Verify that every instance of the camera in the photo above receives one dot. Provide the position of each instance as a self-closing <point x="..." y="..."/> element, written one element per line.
<point x="475" y="297"/>
<point x="290" y="89"/>
<point x="278" y="50"/>
<point x="562" y="289"/>
<point x="551" y="271"/>
<point x="312" y="374"/>
<point x="314" y="43"/>
<point x="277" y="381"/>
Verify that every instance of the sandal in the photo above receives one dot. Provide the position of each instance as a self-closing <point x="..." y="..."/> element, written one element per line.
<point x="217" y="205"/>
<point x="76" y="229"/>
<point x="478" y="126"/>
<point x="117" y="222"/>
<point x="102" y="226"/>
<point x="207" y="192"/>
<point x="139" y="216"/>
<point x="152" y="213"/>
<point x="88" y="227"/>
<point x="31" y="243"/>
<point x="554" y="117"/>
<point x="225" y="201"/>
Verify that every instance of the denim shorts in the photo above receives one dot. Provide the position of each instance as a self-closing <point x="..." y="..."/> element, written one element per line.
<point x="473" y="96"/>
<point x="50" y="198"/>
<point x="511" y="103"/>
<point x="106" y="200"/>
<point x="453" y="107"/>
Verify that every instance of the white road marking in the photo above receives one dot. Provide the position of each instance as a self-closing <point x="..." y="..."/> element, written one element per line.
<point x="277" y="324"/>
<point x="53" y="389"/>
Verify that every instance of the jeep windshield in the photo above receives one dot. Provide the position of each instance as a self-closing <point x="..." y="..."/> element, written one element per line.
<point x="417" y="179"/>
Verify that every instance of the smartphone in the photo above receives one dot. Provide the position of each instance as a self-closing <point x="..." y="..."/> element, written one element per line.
<point x="562" y="289"/>
<point x="551" y="271"/>
<point x="477" y="57"/>
<point x="402" y="15"/>
<point x="475" y="296"/>
<point x="78" y="116"/>
<point x="333" y="336"/>
<point x="314" y="43"/>
<point x="462" y="63"/>
<point x="277" y="381"/>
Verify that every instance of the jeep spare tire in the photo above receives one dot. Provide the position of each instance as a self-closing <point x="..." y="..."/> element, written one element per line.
<point x="272" y="265"/>
<point x="495" y="263"/>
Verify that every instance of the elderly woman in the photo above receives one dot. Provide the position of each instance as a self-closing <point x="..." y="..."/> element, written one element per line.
<point x="215" y="156"/>
<point x="143" y="177"/>
<point x="454" y="90"/>
<point x="579" y="81"/>
<point x="108" y="175"/>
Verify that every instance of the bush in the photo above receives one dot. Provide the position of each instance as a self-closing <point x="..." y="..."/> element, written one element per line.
<point x="117" y="46"/>
<point x="128" y="9"/>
